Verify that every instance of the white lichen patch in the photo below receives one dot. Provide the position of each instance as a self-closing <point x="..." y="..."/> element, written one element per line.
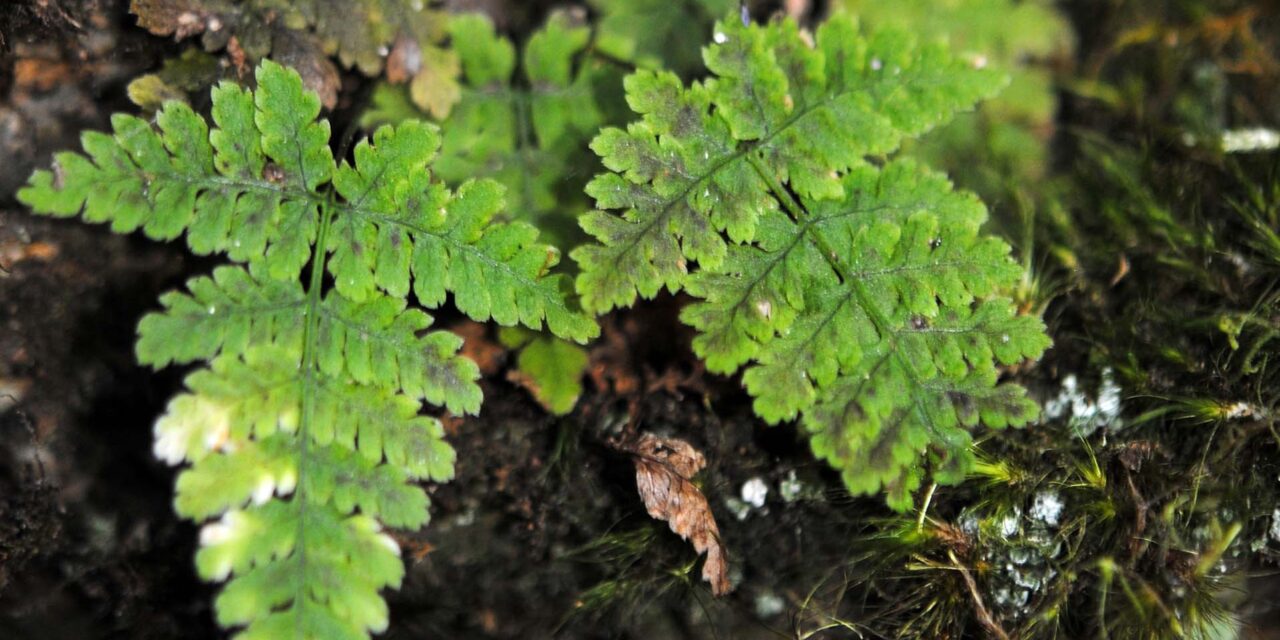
<point x="1083" y="414"/>
<point x="1250" y="140"/>
<point x="1047" y="508"/>
<point x="768" y="605"/>
<point x="1010" y="523"/>
<point x="1239" y="410"/>
<point x="754" y="492"/>
<point x="1019" y="546"/>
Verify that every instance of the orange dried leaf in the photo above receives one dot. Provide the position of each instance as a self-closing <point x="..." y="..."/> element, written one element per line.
<point x="664" y="467"/>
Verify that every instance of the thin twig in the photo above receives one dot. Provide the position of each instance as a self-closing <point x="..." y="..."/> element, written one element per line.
<point x="984" y="616"/>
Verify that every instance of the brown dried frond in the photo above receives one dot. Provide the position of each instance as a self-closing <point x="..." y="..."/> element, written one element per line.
<point x="664" y="467"/>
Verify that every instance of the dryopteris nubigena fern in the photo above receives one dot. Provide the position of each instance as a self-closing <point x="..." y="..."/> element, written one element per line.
<point x="303" y="433"/>
<point x="857" y="292"/>
<point x="525" y="117"/>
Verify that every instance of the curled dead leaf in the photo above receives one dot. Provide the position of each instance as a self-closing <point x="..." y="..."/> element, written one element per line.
<point x="664" y="467"/>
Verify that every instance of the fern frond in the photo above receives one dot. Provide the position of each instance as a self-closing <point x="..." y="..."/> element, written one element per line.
<point x="686" y="171"/>
<point x="348" y="560"/>
<point x="860" y="299"/>
<point x="246" y="188"/>
<point x="389" y="229"/>
<point x="303" y="435"/>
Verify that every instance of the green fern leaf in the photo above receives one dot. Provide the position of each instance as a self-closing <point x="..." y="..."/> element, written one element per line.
<point x="256" y="173"/>
<point x="550" y="368"/>
<point x="389" y="229"/>
<point x="303" y="435"/>
<point x="523" y="120"/>
<point x="373" y="342"/>
<point x="861" y="300"/>
<point x="690" y="168"/>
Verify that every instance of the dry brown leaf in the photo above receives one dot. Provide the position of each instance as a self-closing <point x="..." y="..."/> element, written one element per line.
<point x="179" y="18"/>
<point x="664" y="467"/>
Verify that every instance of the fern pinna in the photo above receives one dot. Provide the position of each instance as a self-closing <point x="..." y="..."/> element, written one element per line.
<point x="524" y="117"/>
<point x="303" y="434"/>
<point x="857" y="292"/>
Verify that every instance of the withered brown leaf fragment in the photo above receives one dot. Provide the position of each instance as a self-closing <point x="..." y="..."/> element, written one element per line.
<point x="664" y="467"/>
<point x="179" y="18"/>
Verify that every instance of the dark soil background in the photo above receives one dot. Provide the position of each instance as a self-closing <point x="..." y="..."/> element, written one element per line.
<point x="541" y="534"/>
